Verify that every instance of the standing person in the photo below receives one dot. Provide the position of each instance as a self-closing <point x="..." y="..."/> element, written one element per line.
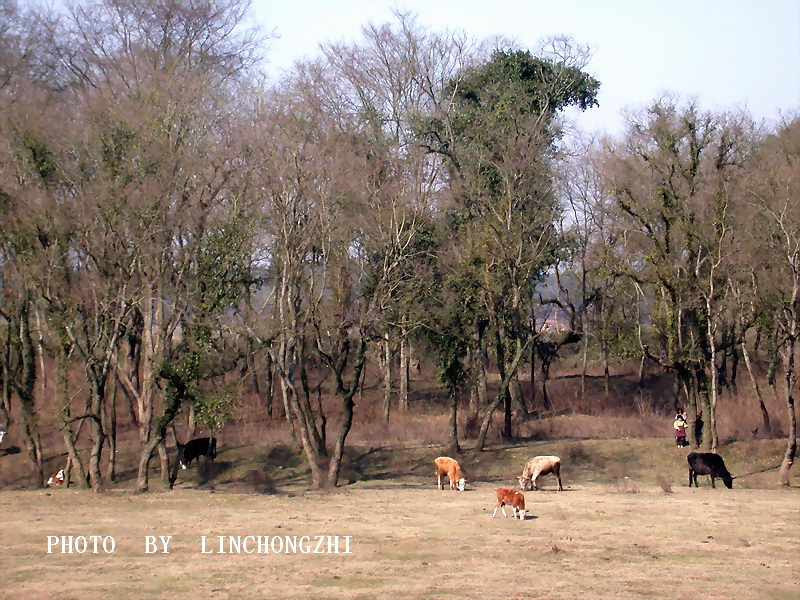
<point x="680" y="429"/>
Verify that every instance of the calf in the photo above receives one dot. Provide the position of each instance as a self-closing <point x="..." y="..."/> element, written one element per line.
<point x="708" y="463"/>
<point x="57" y="479"/>
<point x="195" y="449"/>
<point x="514" y="499"/>
<point x="450" y="467"/>
<point x="540" y="465"/>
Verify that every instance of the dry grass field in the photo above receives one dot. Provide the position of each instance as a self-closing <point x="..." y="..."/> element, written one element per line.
<point x="613" y="534"/>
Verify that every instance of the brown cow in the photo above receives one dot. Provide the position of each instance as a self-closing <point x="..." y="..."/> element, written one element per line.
<point x="450" y="467"/>
<point x="513" y="499"/>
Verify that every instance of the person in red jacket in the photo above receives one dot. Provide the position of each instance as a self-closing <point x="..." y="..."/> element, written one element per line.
<point x="680" y="429"/>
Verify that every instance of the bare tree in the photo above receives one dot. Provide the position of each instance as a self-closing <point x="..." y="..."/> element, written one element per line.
<point x="671" y="178"/>
<point x="775" y="221"/>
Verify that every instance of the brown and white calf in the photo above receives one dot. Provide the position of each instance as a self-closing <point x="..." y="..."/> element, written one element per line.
<point x="512" y="498"/>
<point x="540" y="465"/>
<point x="57" y="479"/>
<point x="450" y="467"/>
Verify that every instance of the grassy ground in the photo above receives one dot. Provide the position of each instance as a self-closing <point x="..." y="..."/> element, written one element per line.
<point x="626" y="524"/>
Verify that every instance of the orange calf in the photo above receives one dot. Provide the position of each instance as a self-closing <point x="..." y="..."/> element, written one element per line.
<point x="513" y="499"/>
<point x="450" y="467"/>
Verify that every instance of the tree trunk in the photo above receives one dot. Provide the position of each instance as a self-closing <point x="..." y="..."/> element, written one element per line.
<point x="63" y="400"/>
<point x="112" y="436"/>
<point x="473" y="380"/>
<point x="25" y="391"/>
<point x="270" y="385"/>
<point x="585" y="366"/>
<point x="505" y="432"/>
<point x="191" y="422"/>
<point x="306" y="412"/>
<point x="734" y="368"/>
<point x="250" y="365"/>
<point x="72" y="453"/>
<point x="545" y="368"/>
<point x="762" y="407"/>
<point x="98" y="435"/>
<point x="40" y="352"/>
<point x="147" y="353"/>
<point x="173" y="403"/>
<point x="387" y="377"/>
<point x="640" y="378"/>
<point x="483" y="386"/>
<point x="453" y="447"/>
<point x="405" y="365"/>
<point x="606" y="375"/>
<point x="676" y="393"/>
<point x="163" y="460"/>
<point x="517" y="397"/>
<point x="713" y="374"/>
<point x="533" y="375"/>
<point x="772" y="364"/>
<point x="287" y="410"/>
<point x="501" y="392"/>
<point x="703" y="395"/>
<point x="346" y="394"/>
<point x="791" y="442"/>
<point x="694" y="424"/>
<point x="5" y="401"/>
<point x="323" y="420"/>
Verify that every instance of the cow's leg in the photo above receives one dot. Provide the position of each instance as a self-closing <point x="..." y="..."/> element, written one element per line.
<point x="712" y="482"/>
<point x="439" y="480"/>
<point x="690" y="477"/>
<point x="557" y="473"/>
<point x="496" y="506"/>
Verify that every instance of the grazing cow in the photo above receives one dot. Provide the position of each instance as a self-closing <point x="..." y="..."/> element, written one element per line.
<point x="708" y="463"/>
<point x="540" y="465"/>
<point x="57" y="479"/>
<point x="450" y="467"/>
<point x="513" y="499"/>
<point x="195" y="449"/>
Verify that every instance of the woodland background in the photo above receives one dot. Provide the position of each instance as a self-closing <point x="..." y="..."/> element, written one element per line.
<point x="404" y="237"/>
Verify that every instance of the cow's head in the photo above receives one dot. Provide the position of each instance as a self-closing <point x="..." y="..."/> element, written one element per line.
<point x="727" y="480"/>
<point x="2" y="434"/>
<point x="524" y="483"/>
<point x="462" y="483"/>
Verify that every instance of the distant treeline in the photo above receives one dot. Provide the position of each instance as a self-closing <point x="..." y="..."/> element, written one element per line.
<point x="171" y="215"/>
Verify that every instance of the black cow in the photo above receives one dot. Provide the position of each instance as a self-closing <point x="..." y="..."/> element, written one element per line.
<point x="708" y="463"/>
<point x="195" y="449"/>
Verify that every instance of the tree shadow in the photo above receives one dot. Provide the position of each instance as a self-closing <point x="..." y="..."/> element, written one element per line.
<point x="765" y="470"/>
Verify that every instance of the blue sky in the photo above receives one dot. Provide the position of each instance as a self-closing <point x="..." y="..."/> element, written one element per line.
<point x="726" y="54"/>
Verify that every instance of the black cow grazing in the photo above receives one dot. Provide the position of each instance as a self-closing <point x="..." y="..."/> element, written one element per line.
<point x="195" y="449"/>
<point x="708" y="463"/>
